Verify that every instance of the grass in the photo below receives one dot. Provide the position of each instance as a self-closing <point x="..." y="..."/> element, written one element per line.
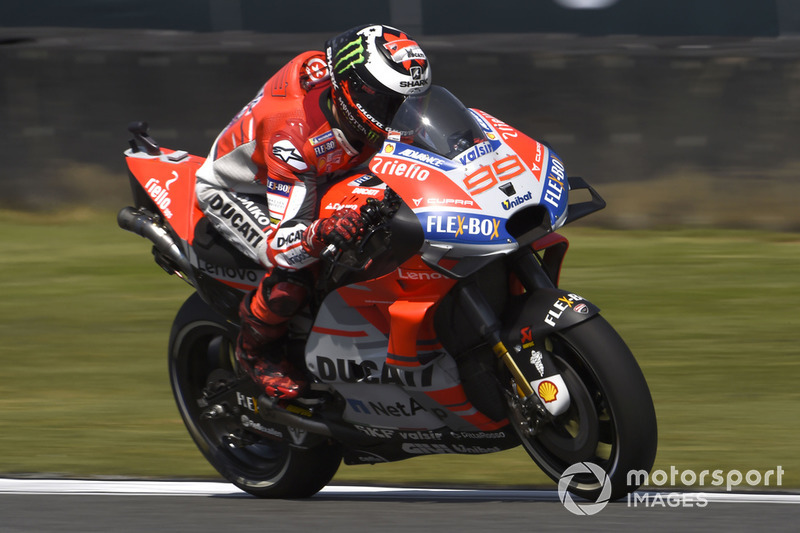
<point x="85" y="314"/>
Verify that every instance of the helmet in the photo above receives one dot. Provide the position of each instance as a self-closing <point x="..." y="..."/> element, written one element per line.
<point x="373" y="69"/>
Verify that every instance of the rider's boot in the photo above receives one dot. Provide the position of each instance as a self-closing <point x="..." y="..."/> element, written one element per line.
<point x="257" y="354"/>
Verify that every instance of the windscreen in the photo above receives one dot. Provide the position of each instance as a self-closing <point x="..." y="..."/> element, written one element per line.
<point x="437" y="122"/>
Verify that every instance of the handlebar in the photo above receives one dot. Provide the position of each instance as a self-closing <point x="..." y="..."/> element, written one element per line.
<point x="375" y="215"/>
<point x="329" y="254"/>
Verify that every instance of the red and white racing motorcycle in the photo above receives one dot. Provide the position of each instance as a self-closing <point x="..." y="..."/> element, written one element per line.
<point x="444" y="331"/>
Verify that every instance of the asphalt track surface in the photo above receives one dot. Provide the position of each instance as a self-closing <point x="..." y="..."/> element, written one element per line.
<point x="38" y="505"/>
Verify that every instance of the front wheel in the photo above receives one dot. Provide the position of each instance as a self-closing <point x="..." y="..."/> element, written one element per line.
<point x="201" y="344"/>
<point x="611" y="420"/>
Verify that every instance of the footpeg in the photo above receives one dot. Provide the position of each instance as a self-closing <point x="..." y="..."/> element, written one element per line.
<point x="214" y="412"/>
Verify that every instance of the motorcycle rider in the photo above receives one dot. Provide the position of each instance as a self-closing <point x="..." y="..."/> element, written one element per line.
<point x="318" y="117"/>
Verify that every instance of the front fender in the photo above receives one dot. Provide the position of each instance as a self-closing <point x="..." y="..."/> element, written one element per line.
<point x="535" y="314"/>
<point x="529" y="318"/>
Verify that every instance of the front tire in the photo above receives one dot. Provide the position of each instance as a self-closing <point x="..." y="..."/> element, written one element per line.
<point x="201" y="342"/>
<point x="611" y="420"/>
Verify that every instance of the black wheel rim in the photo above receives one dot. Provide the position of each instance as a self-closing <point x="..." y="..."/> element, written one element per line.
<point x="198" y="350"/>
<point x="586" y="432"/>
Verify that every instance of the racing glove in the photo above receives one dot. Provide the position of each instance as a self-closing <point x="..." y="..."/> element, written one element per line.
<point x="342" y="229"/>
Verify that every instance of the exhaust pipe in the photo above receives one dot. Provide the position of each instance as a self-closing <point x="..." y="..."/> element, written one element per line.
<point x="269" y="410"/>
<point x="142" y="224"/>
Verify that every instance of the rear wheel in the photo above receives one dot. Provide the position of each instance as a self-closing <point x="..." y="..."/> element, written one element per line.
<point x="611" y="420"/>
<point x="201" y="343"/>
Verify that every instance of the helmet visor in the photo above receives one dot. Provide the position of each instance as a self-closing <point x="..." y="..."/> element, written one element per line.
<point x="376" y="107"/>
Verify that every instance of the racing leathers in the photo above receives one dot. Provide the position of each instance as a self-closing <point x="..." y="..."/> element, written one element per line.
<point x="258" y="187"/>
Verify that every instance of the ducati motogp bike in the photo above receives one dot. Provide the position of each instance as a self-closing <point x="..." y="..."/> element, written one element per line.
<point x="444" y="331"/>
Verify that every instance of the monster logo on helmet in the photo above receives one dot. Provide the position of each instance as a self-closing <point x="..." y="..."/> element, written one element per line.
<point x="373" y="69"/>
<point x="349" y="55"/>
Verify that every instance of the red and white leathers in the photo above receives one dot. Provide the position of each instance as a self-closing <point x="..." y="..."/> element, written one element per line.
<point x="258" y="187"/>
<point x="281" y="146"/>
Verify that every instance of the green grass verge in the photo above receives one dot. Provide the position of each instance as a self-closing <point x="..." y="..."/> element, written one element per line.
<point x="85" y="315"/>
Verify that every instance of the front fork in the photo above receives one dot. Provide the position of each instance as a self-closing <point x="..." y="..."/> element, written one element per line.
<point x="483" y="318"/>
<point x="527" y="411"/>
<point x="532" y="274"/>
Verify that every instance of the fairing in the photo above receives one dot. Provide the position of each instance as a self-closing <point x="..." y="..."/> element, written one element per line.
<point x="478" y="186"/>
<point x="168" y="180"/>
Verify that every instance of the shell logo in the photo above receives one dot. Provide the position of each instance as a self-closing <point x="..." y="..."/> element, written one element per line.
<point x="388" y="149"/>
<point x="547" y="391"/>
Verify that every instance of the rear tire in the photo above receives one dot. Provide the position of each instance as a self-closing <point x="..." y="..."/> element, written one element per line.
<point x="611" y="421"/>
<point x="202" y="342"/>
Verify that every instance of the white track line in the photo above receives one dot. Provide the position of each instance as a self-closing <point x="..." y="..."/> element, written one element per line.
<point x="84" y="486"/>
<point x="212" y="488"/>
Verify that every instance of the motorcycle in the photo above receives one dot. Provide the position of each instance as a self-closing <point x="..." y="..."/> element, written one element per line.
<point x="443" y="331"/>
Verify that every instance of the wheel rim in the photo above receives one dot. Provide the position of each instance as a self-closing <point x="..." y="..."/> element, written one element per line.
<point x="586" y="432"/>
<point x="574" y="435"/>
<point x="198" y="350"/>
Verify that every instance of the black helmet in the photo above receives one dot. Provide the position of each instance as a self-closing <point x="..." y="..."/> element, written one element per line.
<point x="373" y="69"/>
